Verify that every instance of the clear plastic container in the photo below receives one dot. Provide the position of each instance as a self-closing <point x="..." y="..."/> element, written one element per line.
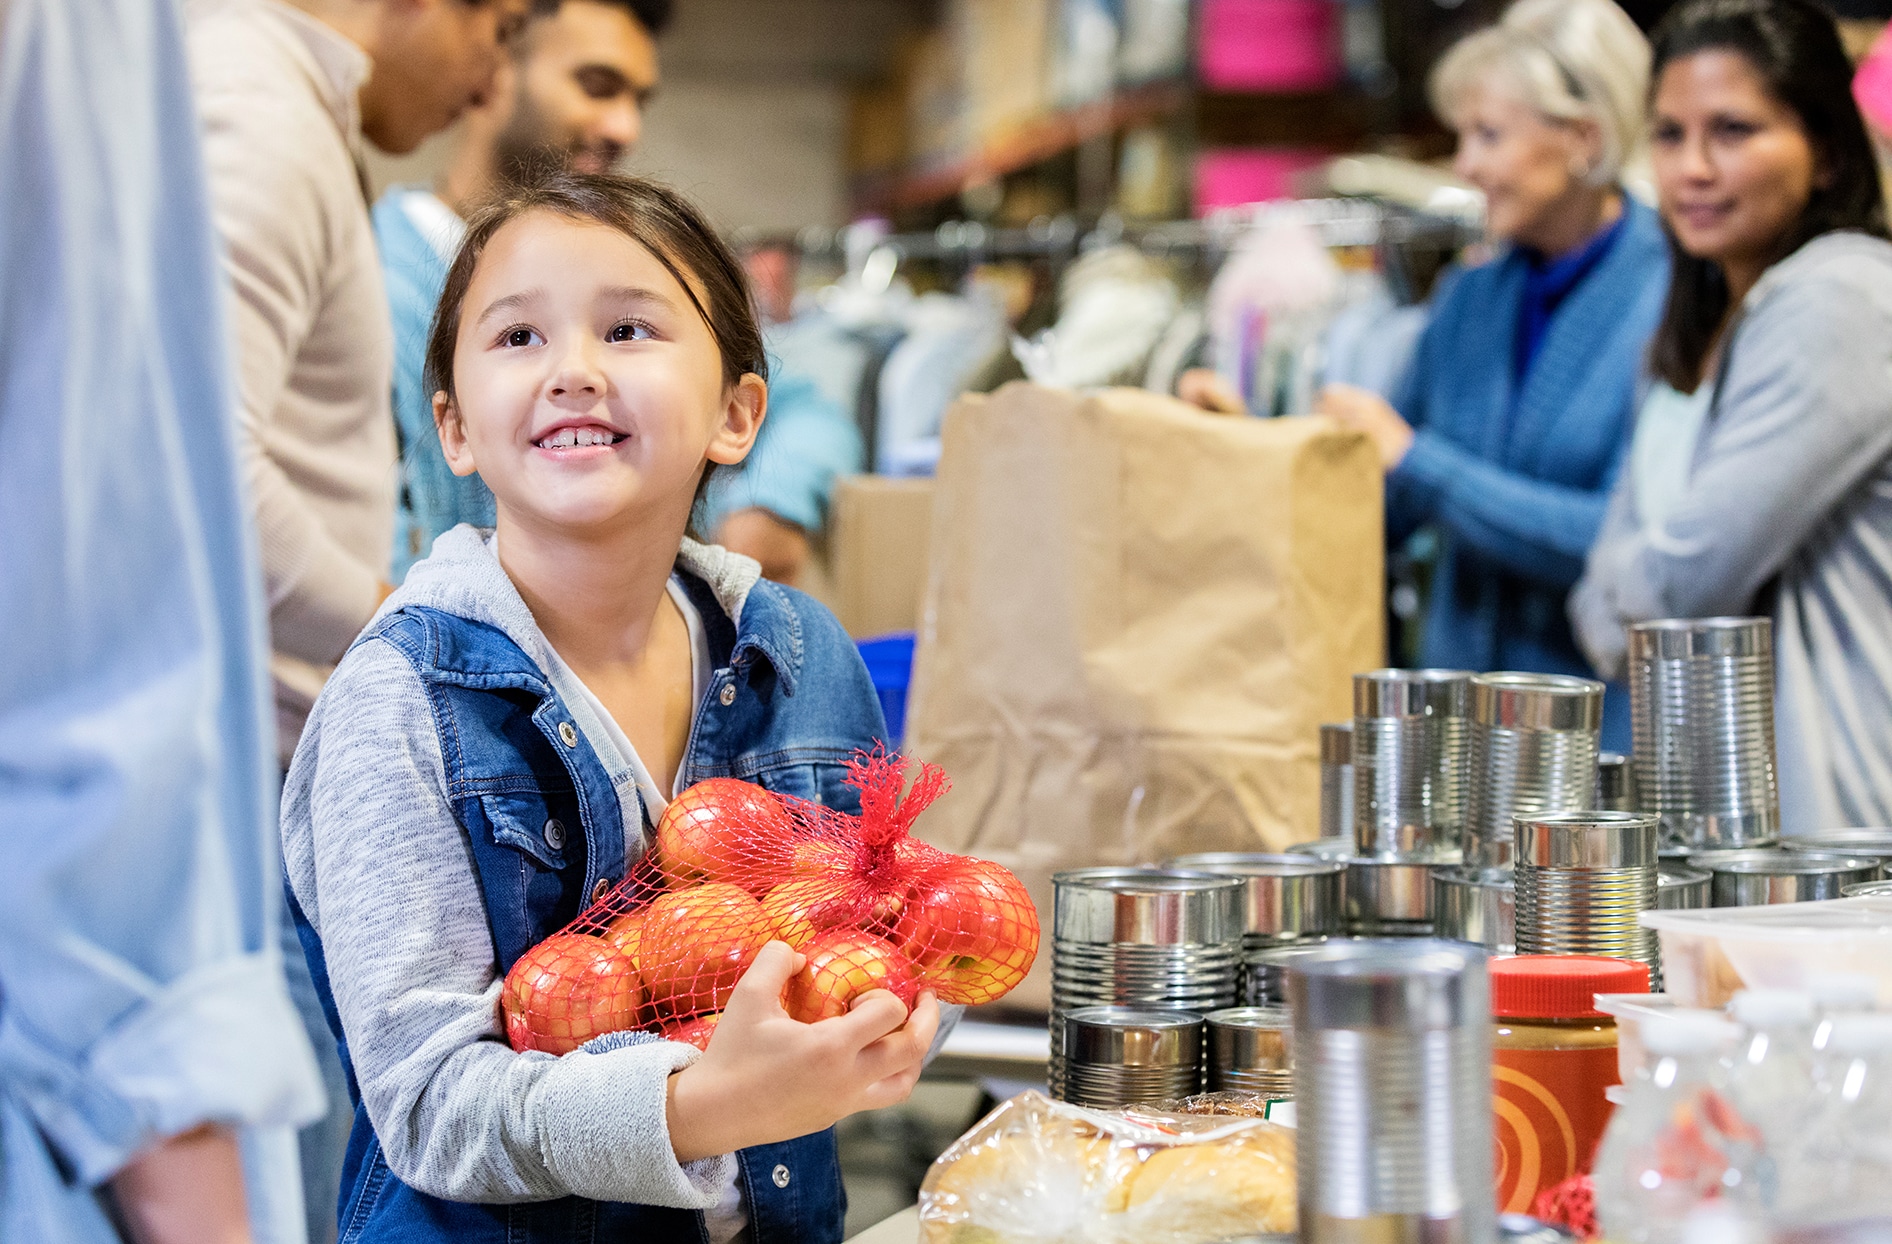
<point x="1631" y="1011"/>
<point x="1770" y="1082"/>
<point x="1708" y="956"/>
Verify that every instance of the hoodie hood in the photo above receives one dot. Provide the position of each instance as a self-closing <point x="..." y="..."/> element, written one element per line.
<point x="462" y="576"/>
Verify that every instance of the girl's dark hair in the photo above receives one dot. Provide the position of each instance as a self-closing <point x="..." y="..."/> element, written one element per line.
<point x="1795" y="48"/>
<point x="654" y="216"/>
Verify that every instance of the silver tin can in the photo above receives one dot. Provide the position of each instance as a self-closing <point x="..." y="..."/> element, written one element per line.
<point x="1477" y="905"/>
<point x="1285" y="898"/>
<point x="1325" y="848"/>
<point x="1679" y="887"/>
<point x="1583" y="881"/>
<point x="1410" y="742"/>
<point x="1392" y="1057"/>
<point x="1265" y="973"/>
<point x="1867" y="889"/>
<point x="1391" y="898"/>
<point x="1159" y="939"/>
<point x="1857" y="841"/>
<point x="1123" y="1056"/>
<point x="1251" y="1050"/>
<point x="1615" y="782"/>
<point x="1701" y="695"/>
<point x="1759" y="877"/>
<point x="1533" y="749"/>
<point x="1336" y="780"/>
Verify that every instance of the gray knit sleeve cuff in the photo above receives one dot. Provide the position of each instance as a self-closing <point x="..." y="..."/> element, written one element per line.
<point x="605" y="1135"/>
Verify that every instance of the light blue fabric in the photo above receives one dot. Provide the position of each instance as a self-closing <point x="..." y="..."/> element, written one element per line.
<point x="1516" y="473"/>
<point x="806" y="442"/>
<point x="141" y="987"/>
<point x="432" y="498"/>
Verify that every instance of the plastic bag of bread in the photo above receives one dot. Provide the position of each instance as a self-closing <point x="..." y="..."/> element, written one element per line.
<point x="1035" y="1171"/>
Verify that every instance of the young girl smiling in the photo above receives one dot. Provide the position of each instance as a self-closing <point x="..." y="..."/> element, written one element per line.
<point x="493" y="751"/>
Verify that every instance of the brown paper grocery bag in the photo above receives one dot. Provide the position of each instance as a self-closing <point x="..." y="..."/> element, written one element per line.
<point x="1137" y="616"/>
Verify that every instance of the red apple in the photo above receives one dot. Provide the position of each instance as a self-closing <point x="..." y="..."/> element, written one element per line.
<point x="627" y="931"/>
<point x="567" y="990"/>
<point x="971" y="929"/>
<point x="802" y="907"/>
<point x="842" y="965"/>
<point x="696" y="944"/>
<point x="723" y="830"/>
<point x="692" y="1031"/>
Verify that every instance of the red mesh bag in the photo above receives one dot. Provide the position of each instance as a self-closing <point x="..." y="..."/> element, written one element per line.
<point x="735" y="866"/>
<point x="1570" y="1204"/>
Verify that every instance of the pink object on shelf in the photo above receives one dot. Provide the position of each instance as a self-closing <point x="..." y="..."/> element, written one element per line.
<point x="1232" y="176"/>
<point x="1872" y="86"/>
<point x="1269" y="45"/>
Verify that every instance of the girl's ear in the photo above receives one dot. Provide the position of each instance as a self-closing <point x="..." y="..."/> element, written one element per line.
<point x="743" y="411"/>
<point x="452" y="432"/>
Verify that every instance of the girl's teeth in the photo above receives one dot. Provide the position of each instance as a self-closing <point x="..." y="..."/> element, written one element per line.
<point x="568" y="438"/>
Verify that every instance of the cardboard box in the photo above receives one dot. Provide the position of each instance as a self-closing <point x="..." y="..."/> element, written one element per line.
<point x="879" y="536"/>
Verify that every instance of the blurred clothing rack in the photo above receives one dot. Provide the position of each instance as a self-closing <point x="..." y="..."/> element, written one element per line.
<point x="1340" y="222"/>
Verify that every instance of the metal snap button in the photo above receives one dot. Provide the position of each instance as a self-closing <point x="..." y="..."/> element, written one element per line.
<point x="601" y="889"/>
<point x="779" y="1175"/>
<point x="568" y="733"/>
<point x="555" y="834"/>
<point x="728" y="697"/>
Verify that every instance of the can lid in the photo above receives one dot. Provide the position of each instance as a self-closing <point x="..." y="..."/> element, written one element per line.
<point x="1561" y="986"/>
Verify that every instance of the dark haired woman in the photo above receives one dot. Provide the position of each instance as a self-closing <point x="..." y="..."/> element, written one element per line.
<point x="1760" y="480"/>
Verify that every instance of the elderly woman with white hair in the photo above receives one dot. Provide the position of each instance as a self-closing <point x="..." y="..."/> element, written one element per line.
<point x="1513" y="420"/>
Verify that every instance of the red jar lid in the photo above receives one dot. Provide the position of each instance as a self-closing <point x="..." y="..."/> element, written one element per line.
<point x="1560" y="986"/>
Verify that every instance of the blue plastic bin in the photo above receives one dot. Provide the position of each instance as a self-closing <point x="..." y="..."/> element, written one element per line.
<point x="890" y="664"/>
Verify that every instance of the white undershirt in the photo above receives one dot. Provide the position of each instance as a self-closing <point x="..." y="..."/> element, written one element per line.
<point x="728" y="1220"/>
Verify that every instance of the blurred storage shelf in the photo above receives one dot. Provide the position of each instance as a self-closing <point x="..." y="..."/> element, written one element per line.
<point x="1031" y="142"/>
<point x="1335" y="120"/>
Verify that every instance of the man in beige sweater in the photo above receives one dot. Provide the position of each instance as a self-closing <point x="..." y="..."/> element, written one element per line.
<point x="286" y="94"/>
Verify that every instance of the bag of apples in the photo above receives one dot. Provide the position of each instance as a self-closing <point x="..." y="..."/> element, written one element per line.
<point x="736" y="866"/>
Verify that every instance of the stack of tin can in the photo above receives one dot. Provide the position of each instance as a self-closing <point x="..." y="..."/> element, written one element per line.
<point x="1251" y="1051"/>
<point x="1410" y="738"/>
<point x="1148" y="938"/>
<point x="1286" y="899"/>
<point x="1534" y="743"/>
<point x="1583" y="881"/>
<point x="1116" y="1056"/>
<point x="1701" y="695"/>
<point x="1392" y="1052"/>
<point x="1336" y="780"/>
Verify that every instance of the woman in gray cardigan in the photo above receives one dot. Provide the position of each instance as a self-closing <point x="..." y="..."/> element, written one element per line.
<point x="1760" y="480"/>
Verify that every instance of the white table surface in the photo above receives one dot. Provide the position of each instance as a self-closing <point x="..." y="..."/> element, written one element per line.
<point x="902" y="1228"/>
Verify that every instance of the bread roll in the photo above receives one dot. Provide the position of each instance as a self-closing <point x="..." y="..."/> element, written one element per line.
<point x="1216" y="1189"/>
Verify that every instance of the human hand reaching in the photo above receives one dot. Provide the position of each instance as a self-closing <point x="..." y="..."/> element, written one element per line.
<point x="1366" y="411"/>
<point x="767" y="1078"/>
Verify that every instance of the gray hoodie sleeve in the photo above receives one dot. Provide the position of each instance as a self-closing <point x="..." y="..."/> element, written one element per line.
<point x="1801" y="421"/>
<point x="385" y="873"/>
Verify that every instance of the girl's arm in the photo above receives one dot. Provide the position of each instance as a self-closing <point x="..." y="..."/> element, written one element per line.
<point x="1805" y="415"/>
<point x="384" y="872"/>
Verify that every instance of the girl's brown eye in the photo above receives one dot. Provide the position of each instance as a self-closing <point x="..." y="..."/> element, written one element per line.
<point x="519" y="337"/>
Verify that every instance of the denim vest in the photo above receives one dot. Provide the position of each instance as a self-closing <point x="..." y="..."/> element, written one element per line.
<point x="788" y="703"/>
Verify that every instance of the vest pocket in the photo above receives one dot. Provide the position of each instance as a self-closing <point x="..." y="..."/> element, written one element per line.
<point x="528" y="824"/>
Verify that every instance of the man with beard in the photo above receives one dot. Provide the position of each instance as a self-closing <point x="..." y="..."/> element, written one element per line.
<point x="573" y="96"/>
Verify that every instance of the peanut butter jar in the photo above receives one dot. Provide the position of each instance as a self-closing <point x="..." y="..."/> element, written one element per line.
<point x="1553" y="1054"/>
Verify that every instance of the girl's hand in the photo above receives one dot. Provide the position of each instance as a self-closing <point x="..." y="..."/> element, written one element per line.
<point x="1366" y="411"/>
<point x="767" y="1078"/>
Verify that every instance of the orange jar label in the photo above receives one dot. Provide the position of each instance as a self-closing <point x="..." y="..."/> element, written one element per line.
<point x="1551" y="1114"/>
